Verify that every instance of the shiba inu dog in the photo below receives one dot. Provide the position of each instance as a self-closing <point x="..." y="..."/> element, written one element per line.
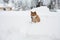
<point x="35" y="18"/>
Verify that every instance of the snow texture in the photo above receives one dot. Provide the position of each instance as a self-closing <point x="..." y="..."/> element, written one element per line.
<point x="16" y="25"/>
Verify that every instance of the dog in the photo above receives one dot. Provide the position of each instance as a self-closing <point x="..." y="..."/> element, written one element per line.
<point x="35" y="18"/>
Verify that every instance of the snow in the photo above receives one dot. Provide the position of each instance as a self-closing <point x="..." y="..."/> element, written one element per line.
<point x="1" y="5"/>
<point x="16" y="25"/>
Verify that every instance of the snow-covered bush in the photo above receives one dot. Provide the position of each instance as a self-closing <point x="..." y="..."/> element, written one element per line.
<point x="6" y="1"/>
<point x="52" y="6"/>
<point x="24" y="4"/>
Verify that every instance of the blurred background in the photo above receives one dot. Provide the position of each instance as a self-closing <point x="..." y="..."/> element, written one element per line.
<point x="28" y="4"/>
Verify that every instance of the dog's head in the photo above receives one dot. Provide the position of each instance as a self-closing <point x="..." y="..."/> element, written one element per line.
<point x="33" y="13"/>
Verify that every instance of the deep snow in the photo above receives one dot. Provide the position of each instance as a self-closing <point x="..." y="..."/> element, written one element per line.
<point x="16" y="25"/>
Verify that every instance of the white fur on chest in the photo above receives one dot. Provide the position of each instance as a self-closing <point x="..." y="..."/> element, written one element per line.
<point x="33" y="17"/>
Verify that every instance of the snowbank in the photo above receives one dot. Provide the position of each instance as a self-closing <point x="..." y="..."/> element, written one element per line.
<point x="16" y="25"/>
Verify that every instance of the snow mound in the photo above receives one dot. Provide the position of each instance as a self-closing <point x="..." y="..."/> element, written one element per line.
<point x="16" y="25"/>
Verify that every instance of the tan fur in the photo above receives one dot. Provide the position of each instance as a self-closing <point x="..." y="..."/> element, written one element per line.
<point x="35" y="18"/>
<point x="1" y="8"/>
<point x="6" y="8"/>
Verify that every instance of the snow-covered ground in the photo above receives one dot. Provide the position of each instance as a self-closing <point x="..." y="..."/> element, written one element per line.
<point x="16" y="25"/>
